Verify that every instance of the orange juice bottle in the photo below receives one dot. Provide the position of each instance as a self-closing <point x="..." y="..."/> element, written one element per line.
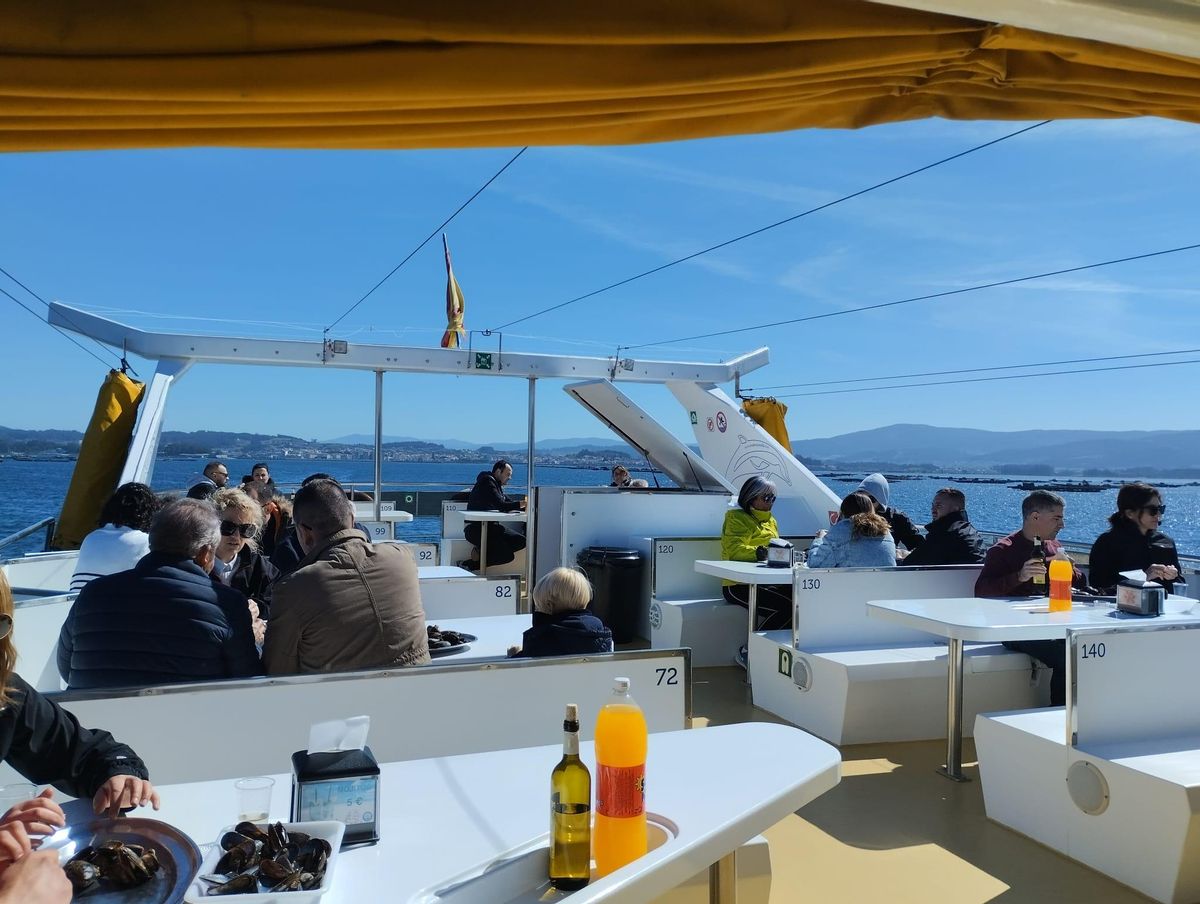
<point x="1060" y="585"/>
<point x="619" y="835"/>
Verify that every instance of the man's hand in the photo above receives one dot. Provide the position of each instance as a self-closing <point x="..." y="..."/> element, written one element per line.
<point x="1031" y="569"/>
<point x="260" y="631"/>
<point x="253" y="609"/>
<point x="40" y="816"/>
<point x="760" y="553"/>
<point x="35" y="879"/>
<point x="123" y="792"/>
<point x="1162" y="573"/>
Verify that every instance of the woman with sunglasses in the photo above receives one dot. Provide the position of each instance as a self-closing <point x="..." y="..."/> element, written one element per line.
<point x="238" y="563"/>
<point x="47" y="745"/>
<point x="744" y="537"/>
<point x="1134" y="542"/>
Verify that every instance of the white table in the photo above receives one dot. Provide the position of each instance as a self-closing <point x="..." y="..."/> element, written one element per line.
<point x="751" y="573"/>
<point x="490" y="803"/>
<point x="485" y="517"/>
<point x="494" y="633"/>
<point x="962" y="619"/>
<point x="396" y="517"/>
<point x="444" y="572"/>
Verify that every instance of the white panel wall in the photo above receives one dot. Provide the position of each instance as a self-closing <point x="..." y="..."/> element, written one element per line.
<point x="232" y="728"/>
<point x="1134" y="683"/>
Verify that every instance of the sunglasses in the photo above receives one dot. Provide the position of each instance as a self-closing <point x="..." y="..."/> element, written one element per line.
<point x="229" y="528"/>
<point x="1155" y="509"/>
<point x="767" y="497"/>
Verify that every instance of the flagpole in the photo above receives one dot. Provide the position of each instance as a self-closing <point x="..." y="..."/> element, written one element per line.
<point x="530" y="507"/>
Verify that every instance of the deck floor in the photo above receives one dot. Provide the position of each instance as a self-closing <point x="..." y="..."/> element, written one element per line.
<point x="894" y="830"/>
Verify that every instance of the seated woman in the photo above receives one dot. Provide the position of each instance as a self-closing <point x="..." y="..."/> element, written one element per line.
<point x="620" y="476"/>
<point x="1134" y="542"/>
<point x="562" y="623"/>
<point x="860" y="539"/>
<point x="47" y="745"/>
<point x="744" y="537"/>
<point x="238" y="563"/>
<point x="121" y="538"/>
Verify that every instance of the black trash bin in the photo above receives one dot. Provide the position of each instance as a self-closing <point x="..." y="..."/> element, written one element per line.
<point x="616" y="576"/>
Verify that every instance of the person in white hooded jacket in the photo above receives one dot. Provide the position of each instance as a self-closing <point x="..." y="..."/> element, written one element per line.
<point x="902" y="527"/>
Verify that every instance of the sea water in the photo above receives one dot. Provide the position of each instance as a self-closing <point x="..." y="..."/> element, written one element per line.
<point x="32" y="490"/>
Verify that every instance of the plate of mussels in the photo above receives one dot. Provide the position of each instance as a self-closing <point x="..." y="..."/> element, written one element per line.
<point x="130" y="860"/>
<point x="443" y="642"/>
<point x="269" y="863"/>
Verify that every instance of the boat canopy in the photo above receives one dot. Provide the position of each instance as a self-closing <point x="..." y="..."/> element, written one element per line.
<point x="370" y="74"/>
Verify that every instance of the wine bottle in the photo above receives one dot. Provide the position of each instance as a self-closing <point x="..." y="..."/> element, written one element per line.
<point x="570" y="812"/>
<point x="1039" y="580"/>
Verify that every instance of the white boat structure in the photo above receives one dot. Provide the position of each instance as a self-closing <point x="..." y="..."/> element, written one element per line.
<point x="1109" y="782"/>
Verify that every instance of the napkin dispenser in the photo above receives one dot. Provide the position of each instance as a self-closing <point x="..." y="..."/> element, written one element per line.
<point x="337" y="778"/>
<point x="1141" y="597"/>
<point x="780" y="553"/>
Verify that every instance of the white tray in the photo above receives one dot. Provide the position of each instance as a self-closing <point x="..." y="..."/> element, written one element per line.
<point x="329" y="830"/>
<point x="519" y="876"/>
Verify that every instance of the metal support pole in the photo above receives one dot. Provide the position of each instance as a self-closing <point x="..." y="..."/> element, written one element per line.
<point x="378" y="441"/>
<point x="530" y="508"/>
<point x="722" y="880"/>
<point x="954" y="686"/>
<point x="752" y="605"/>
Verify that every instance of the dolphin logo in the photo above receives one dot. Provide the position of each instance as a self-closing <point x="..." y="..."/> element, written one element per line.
<point x="754" y="457"/>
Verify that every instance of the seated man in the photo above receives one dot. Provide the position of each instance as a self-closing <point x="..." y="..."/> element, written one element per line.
<point x="165" y="620"/>
<point x="350" y="604"/>
<point x="214" y="475"/>
<point x="504" y="540"/>
<point x="950" y="538"/>
<point x="1010" y="567"/>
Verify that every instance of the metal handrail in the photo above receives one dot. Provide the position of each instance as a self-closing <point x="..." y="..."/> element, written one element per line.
<point x="25" y="532"/>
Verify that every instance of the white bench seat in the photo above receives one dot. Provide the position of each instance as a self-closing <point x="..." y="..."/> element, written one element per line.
<point x="1118" y="788"/>
<point x="881" y="693"/>
<point x="713" y="628"/>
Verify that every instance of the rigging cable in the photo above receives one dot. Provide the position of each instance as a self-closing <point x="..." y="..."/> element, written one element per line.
<point x="62" y="332"/>
<point x="1051" y="373"/>
<point x="444" y="223"/>
<point x="762" y="229"/>
<point x="104" y="348"/>
<point x="973" y="370"/>
<point x="929" y="297"/>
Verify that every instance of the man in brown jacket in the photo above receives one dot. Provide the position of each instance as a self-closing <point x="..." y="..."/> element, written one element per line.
<point x="350" y="604"/>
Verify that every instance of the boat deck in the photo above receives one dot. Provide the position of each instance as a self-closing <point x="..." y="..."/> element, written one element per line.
<point x="894" y="830"/>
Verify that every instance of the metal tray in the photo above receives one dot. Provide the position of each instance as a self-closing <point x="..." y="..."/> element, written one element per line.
<point x="453" y="648"/>
<point x="178" y="857"/>
<point x="518" y="876"/>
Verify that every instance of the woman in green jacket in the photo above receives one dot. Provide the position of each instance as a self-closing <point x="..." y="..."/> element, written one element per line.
<point x="744" y="538"/>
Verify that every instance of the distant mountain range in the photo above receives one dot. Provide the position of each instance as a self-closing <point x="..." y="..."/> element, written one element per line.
<point x="570" y="444"/>
<point x="1067" y="450"/>
<point x="911" y="447"/>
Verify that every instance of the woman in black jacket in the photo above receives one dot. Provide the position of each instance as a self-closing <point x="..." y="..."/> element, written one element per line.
<point x="239" y="563"/>
<point x="1134" y="542"/>
<point x="47" y="745"/>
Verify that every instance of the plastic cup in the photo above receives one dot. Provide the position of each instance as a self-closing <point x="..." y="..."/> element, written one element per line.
<point x="17" y="792"/>
<point x="254" y="798"/>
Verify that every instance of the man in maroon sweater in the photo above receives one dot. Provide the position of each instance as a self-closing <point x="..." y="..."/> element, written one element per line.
<point x="1010" y="566"/>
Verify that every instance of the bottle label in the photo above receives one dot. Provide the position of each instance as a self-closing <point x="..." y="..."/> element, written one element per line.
<point x="569" y="809"/>
<point x="621" y="791"/>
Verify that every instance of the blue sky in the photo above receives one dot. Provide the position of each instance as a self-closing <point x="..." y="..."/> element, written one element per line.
<point x="273" y="242"/>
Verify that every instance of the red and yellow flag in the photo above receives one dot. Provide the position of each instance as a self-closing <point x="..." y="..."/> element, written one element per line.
<point x="456" y="306"/>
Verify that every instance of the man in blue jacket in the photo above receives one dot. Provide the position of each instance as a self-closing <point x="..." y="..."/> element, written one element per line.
<point x="165" y="620"/>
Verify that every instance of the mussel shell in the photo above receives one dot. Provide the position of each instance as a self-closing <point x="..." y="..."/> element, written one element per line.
<point x="150" y="861"/>
<point x="273" y="871"/>
<point x="245" y="884"/>
<point x="242" y="855"/>
<point x="277" y="838"/>
<point x="81" y="873"/>
<point x="291" y="883"/>
<point x="229" y="839"/>
<point x="250" y="830"/>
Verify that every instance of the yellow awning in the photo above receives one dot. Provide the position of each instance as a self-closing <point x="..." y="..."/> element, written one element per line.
<point x="470" y="73"/>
